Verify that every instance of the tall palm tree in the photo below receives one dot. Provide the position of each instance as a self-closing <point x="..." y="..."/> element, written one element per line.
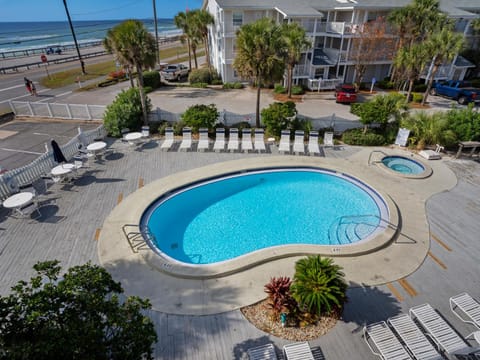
<point x="444" y="46"/>
<point x="296" y="42"/>
<point x="201" y="20"/>
<point x="133" y="46"/>
<point x="412" y="61"/>
<point x="259" y="58"/>
<point x="182" y="22"/>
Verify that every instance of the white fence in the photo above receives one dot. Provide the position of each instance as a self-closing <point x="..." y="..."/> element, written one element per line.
<point x="59" y="111"/>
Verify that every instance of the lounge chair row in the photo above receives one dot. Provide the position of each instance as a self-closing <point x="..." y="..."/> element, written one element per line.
<point x="404" y="336"/>
<point x="299" y="142"/>
<point x="247" y="143"/>
<point x="295" y="351"/>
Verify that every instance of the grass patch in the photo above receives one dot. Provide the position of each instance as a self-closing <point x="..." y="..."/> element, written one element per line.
<point x="69" y="77"/>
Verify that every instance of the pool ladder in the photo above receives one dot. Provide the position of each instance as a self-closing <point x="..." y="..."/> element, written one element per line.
<point x="135" y="237"/>
<point x="370" y="156"/>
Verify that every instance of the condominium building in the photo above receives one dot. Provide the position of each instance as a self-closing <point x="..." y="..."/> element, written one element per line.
<point x="331" y="26"/>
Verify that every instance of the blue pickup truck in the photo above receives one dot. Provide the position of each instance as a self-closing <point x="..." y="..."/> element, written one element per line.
<point x="462" y="91"/>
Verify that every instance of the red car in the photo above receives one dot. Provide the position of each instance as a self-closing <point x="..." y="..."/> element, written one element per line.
<point x="345" y="93"/>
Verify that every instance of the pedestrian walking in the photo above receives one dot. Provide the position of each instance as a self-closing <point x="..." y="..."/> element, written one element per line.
<point x="28" y="85"/>
<point x="33" y="88"/>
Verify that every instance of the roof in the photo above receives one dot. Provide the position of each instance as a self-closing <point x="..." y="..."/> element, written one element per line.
<point x="462" y="62"/>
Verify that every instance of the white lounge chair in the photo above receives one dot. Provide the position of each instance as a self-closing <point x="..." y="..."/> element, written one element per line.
<point x="299" y="142"/>
<point x="263" y="352"/>
<point x="219" y="144"/>
<point x="259" y="140"/>
<point x="431" y="154"/>
<point x="233" y="140"/>
<point x="169" y="139"/>
<point x="247" y="139"/>
<point x="469" y="308"/>
<point x="444" y="336"/>
<point x="186" y="143"/>
<point x="284" y="145"/>
<point x="385" y="343"/>
<point x="298" y="351"/>
<point x="328" y="139"/>
<point x="413" y="338"/>
<point x="313" y="147"/>
<point x="203" y="143"/>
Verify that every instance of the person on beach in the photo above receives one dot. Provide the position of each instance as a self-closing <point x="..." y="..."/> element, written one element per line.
<point x="28" y="85"/>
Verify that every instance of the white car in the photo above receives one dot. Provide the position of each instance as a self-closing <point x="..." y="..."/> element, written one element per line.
<point x="175" y="72"/>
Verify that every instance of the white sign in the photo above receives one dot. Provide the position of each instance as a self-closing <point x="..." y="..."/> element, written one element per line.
<point x="402" y="137"/>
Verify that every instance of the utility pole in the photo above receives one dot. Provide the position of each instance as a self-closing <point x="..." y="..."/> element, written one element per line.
<point x="82" y="64"/>
<point x="156" y="31"/>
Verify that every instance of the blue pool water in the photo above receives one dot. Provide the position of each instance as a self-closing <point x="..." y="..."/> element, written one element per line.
<point x="403" y="165"/>
<point x="229" y="217"/>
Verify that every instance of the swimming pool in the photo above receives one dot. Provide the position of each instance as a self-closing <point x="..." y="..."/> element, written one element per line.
<point x="227" y="217"/>
<point x="406" y="167"/>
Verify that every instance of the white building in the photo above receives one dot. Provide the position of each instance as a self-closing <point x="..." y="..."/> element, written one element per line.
<point x="331" y="25"/>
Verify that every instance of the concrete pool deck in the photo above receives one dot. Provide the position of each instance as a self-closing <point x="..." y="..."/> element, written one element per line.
<point x="172" y="295"/>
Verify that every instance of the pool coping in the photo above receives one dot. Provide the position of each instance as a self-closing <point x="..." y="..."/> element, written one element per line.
<point x="189" y="296"/>
<point x="427" y="172"/>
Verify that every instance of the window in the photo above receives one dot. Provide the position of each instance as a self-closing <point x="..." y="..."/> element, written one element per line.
<point x="237" y="19"/>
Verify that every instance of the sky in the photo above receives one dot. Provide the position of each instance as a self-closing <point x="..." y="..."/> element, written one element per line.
<point x="54" y="10"/>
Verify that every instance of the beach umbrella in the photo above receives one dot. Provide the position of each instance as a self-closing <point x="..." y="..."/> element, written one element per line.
<point x="57" y="153"/>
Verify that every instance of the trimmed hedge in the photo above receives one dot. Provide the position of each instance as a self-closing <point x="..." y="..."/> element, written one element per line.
<point x="152" y="79"/>
<point x="357" y="137"/>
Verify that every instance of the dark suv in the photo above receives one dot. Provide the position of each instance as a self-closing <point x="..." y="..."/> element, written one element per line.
<point x="345" y="93"/>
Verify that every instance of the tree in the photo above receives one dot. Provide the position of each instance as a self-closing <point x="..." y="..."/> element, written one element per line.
<point x="380" y="109"/>
<point x="318" y="285"/>
<point x="197" y="116"/>
<point x="133" y="46"/>
<point x="296" y="42"/>
<point x="182" y="23"/>
<point x="371" y="44"/>
<point x="428" y="129"/>
<point x="201" y="20"/>
<point x="444" y="46"/>
<point x="79" y="315"/>
<point x="259" y="58"/>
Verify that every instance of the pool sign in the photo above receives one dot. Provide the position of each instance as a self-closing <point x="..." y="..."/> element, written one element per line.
<point x="402" y="137"/>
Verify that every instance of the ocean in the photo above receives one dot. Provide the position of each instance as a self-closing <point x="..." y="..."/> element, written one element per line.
<point x="30" y="35"/>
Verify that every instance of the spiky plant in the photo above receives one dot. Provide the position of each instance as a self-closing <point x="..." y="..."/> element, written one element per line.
<point x="279" y="298"/>
<point x="318" y="285"/>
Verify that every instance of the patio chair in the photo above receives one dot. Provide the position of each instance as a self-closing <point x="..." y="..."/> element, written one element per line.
<point x="444" y="336"/>
<point x="186" y="143"/>
<point x="413" y="338"/>
<point x="313" y="147"/>
<point x="284" y="145"/>
<point x="247" y="139"/>
<point x="464" y="306"/>
<point x="328" y="139"/>
<point x="233" y="140"/>
<point x="203" y="143"/>
<point x="382" y="342"/>
<point x="259" y="140"/>
<point x="169" y="139"/>
<point x="219" y="144"/>
<point x="299" y="142"/>
<point x="263" y="352"/>
<point x="298" y="351"/>
<point x="432" y="154"/>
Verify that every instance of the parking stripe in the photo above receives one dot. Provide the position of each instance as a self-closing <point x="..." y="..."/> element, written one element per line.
<point x="440" y="242"/>
<point x="437" y="260"/>
<point x="394" y="291"/>
<point x="408" y="288"/>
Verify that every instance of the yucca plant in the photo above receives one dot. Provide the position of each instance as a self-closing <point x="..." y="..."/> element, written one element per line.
<point x="318" y="285"/>
<point x="279" y="298"/>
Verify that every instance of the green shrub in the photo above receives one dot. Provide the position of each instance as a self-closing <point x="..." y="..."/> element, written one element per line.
<point x="416" y="97"/>
<point x="358" y="137"/>
<point x="420" y="88"/>
<point x="465" y="123"/>
<point x="217" y="82"/>
<point x="202" y="76"/>
<point x="199" y="85"/>
<point x="280" y="89"/>
<point x="385" y="84"/>
<point x="297" y="90"/>
<point x="152" y="79"/>
<point x="147" y="89"/>
<point x="178" y="127"/>
<point x="234" y="85"/>
<point x="198" y="116"/>
<point x="125" y="112"/>
<point x="158" y="127"/>
<point x="278" y="116"/>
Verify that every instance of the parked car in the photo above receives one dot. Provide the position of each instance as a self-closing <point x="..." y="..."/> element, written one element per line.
<point x="175" y="72"/>
<point x="345" y="93"/>
<point x="462" y="91"/>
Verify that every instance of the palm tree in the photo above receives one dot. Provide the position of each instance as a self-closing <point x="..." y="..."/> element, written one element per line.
<point x="201" y="20"/>
<point x="444" y="46"/>
<point x="428" y="129"/>
<point x="296" y="42"/>
<point x="259" y="57"/>
<point x="412" y="61"/>
<point x="182" y="22"/>
<point x="318" y="285"/>
<point x="133" y="46"/>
